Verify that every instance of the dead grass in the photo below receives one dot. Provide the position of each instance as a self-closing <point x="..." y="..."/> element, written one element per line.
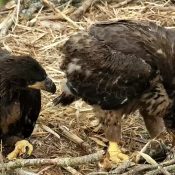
<point x="44" y="41"/>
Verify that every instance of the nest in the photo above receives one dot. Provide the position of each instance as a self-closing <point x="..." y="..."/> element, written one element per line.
<point x="42" y="34"/>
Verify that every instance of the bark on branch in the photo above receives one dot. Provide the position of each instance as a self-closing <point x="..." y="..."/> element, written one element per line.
<point x="74" y="161"/>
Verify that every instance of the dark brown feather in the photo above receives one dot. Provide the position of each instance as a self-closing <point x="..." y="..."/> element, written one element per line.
<point x="123" y="66"/>
<point x="19" y="105"/>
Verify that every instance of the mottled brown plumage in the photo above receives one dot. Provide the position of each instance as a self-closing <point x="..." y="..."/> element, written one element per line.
<point x="21" y="79"/>
<point x="119" y="67"/>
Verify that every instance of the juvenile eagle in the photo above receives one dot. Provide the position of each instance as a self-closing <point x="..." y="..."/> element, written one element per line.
<point x="119" y="67"/>
<point x="21" y="78"/>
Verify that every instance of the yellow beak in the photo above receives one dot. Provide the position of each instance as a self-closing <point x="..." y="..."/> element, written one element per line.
<point x="47" y="85"/>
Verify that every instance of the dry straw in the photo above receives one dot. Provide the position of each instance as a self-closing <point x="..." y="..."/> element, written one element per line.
<point x="43" y="40"/>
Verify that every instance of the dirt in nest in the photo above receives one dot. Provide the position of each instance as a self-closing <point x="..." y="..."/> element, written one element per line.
<point x="44" y="41"/>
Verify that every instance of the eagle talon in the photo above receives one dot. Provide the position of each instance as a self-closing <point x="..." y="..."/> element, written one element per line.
<point x="22" y="147"/>
<point x="113" y="155"/>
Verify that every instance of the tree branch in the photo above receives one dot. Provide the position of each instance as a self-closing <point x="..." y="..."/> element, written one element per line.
<point x="74" y="161"/>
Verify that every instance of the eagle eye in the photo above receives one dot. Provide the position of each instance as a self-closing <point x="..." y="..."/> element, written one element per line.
<point x="31" y="82"/>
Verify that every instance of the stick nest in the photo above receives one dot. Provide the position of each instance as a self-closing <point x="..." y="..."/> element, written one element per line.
<point x="42" y="34"/>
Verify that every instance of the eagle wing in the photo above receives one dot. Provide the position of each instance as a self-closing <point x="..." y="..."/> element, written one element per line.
<point x="30" y="101"/>
<point x="140" y="38"/>
<point x="21" y="116"/>
<point x="109" y="71"/>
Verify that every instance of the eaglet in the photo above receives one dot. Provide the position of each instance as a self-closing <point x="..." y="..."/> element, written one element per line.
<point x="119" y="67"/>
<point x="21" y="79"/>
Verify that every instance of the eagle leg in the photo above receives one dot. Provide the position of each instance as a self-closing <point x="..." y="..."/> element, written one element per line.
<point x="151" y="122"/>
<point x="155" y="106"/>
<point x="112" y="127"/>
<point x="21" y="147"/>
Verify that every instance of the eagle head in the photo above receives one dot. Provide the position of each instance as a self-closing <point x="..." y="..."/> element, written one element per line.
<point x="20" y="72"/>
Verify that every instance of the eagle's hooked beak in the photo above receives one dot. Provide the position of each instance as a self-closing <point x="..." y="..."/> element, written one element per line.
<point x="47" y="85"/>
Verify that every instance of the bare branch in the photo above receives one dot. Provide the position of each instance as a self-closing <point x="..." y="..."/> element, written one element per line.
<point x="48" y="129"/>
<point x="74" y="161"/>
<point x="7" y="23"/>
<point x="82" y="9"/>
<point x="71" y="136"/>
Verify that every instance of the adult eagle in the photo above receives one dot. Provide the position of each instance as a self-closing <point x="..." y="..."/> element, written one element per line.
<point x="119" y="67"/>
<point x="21" y="78"/>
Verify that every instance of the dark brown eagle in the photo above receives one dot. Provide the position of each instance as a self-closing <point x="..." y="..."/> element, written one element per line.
<point x="21" y="78"/>
<point x="119" y="67"/>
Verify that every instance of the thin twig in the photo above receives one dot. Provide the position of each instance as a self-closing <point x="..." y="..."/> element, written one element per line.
<point x="33" y="21"/>
<point x="50" y="131"/>
<point x="122" y="3"/>
<point x="17" y="13"/>
<point x="78" y="13"/>
<point x="72" y="170"/>
<point x="54" y="9"/>
<point x="150" y="159"/>
<point x="143" y="150"/>
<point x="139" y="169"/>
<point x="44" y="169"/>
<point x="135" y="139"/>
<point x="68" y="168"/>
<point x="33" y="7"/>
<point x="170" y="168"/>
<point x="71" y="136"/>
<point x="99" y="173"/>
<point x="24" y="172"/>
<point x="122" y="168"/>
<point x="119" y="170"/>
